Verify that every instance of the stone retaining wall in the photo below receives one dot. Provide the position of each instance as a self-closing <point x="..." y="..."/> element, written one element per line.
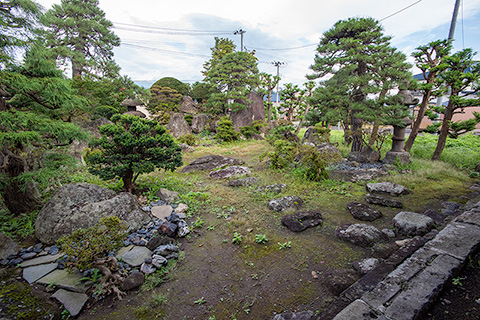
<point x="408" y="288"/>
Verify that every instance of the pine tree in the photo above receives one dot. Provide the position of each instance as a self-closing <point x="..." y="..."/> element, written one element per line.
<point x="223" y="46"/>
<point x="78" y="32"/>
<point x="429" y="59"/>
<point x="461" y="73"/>
<point x="355" y="48"/>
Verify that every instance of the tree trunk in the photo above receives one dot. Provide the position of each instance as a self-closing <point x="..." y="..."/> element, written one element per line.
<point x="374" y="135"/>
<point x="418" y="121"/>
<point x="18" y="198"/>
<point x="357" y="142"/>
<point x="269" y="102"/>
<point x="128" y="181"/>
<point x="307" y="107"/>
<point x="442" y="138"/>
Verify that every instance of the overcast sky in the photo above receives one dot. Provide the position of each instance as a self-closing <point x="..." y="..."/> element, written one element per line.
<point x="282" y="30"/>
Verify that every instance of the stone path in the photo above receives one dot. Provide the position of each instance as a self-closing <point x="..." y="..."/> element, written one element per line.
<point x="405" y="292"/>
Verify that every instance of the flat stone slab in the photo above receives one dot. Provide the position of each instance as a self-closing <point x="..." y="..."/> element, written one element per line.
<point x="285" y="203"/>
<point x="357" y="310"/>
<point x="383" y="201"/>
<point x="363" y="212"/>
<point x="388" y="188"/>
<point x="412" y="223"/>
<point x="233" y="171"/>
<point x="211" y="162"/>
<point x="124" y="250"/>
<point x="161" y="212"/>
<point x="360" y="234"/>
<point x="72" y="301"/>
<point x="40" y="260"/>
<point x="33" y="273"/>
<point x="136" y="256"/>
<point x="65" y="280"/>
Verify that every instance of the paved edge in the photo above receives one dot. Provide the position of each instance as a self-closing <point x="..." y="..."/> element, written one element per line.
<point x="408" y="282"/>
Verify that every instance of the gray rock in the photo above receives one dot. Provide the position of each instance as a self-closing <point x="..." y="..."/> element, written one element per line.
<point x="366" y="155"/>
<point x="311" y="136"/>
<point x="72" y="301"/>
<point x="32" y="274"/>
<point x="167" y="195"/>
<point x="254" y="110"/>
<point x="147" y="268"/>
<point x="302" y="220"/>
<point x="383" y="201"/>
<point x="158" y="261"/>
<point x="285" y="203"/>
<point x="275" y="188"/>
<point x="211" y="162"/>
<point x="82" y="205"/>
<point x="366" y="265"/>
<point x="178" y="126"/>
<point x="242" y="182"/>
<point x="7" y="246"/>
<point x="168" y="229"/>
<point x="362" y="235"/>
<point x="357" y="175"/>
<point x="199" y="122"/>
<point x="28" y="255"/>
<point x="389" y="233"/>
<point x="388" y="188"/>
<point x="339" y="279"/>
<point x="304" y="315"/>
<point x="412" y="224"/>
<point x="181" y="208"/>
<point x="166" y="249"/>
<point x="363" y="212"/>
<point x="183" y="229"/>
<point x="136" y="256"/>
<point x="233" y="171"/>
<point x="161" y="212"/>
<point x="186" y="148"/>
<point x="64" y="280"/>
<point x="188" y="105"/>
<point x="159" y="241"/>
<point x="436" y="216"/>
<point x="134" y="280"/>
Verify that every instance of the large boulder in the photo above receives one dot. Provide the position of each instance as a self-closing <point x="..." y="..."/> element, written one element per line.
<point x="178" y="126"/>
<point x="7" y="246"/>
<point x="199" y="122"/>
<point x="211" y="162"/>
<point x="82" y="205"/>
<point x="360" y="234"/>
<point x="255" y="110"/>
<point x="233" y="171"/>
<point x="187" y="105"/>
<point x="363" y="212"/>
<point x="412" y="223"/>
<point x="302" y="220"/>
<point x="388" y="188"/>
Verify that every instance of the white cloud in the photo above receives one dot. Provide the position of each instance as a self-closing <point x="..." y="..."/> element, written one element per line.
<point x="269" y="24"/>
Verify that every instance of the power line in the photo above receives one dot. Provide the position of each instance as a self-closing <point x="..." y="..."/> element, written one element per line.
<point x="171" y="29"/>
<point x="400" y="10"/>
<point x="291" y="48"/>
<point x="165" y="50"/>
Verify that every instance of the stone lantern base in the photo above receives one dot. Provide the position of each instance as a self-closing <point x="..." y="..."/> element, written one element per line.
<point x="391" y="156"/>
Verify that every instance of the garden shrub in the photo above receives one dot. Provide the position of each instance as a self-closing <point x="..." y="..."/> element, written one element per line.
<point x="225" y="131"/>
<point x="105" y="112"/>
<point x="188" y="118"/>
<point x="88" y="245"/>
<point x="190" y="139"/>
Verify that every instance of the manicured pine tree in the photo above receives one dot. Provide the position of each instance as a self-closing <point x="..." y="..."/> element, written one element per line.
<point x="78" y="32"/>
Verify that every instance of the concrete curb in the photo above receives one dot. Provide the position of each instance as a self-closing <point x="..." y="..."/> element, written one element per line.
<point x="407" y="288"/>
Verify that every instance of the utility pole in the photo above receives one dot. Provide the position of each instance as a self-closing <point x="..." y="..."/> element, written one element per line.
<point x="240" y="32"/>
<point x="278" y="64"/>
<point x="451" y="33"/>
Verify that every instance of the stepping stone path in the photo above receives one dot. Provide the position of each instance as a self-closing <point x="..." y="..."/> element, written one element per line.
<point x="383" y="201"/>
<point x="388" y="188"/>
<point x="412" y="224"/>
<point x="211" y="162"/>
<point x="285" y="203"/>
<point x="243" y="182"/>
<point x="363" y="212"/>
<point x="362" y="235"/>
<point x="302" y="220"/>
<point x="275" y="188"/>
<point x="233" y="171"/>
<point x="45" y="265"/>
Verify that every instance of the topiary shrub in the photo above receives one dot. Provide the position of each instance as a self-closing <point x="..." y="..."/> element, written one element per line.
<point x="105" y="112"/>
<point x="247" y="131"/>
<point x="190" y="139"/>
<point x="226" y="131"/>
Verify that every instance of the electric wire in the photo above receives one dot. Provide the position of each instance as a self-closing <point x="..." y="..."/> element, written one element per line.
<point x="171" y="29"/>
<point x="165" y="50"/>
<point x="397" y="12"/>
<point x="463" y="33"/>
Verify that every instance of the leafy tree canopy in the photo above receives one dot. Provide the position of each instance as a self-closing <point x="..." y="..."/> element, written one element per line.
<point x="174" y="84"/>
<point x="223" y="46"/>
<point x="132" y="146"/>
<point x="163" y="99"/>
<point x="78" y="32"/>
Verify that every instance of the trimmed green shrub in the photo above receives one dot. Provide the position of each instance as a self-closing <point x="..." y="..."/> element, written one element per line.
<point x="225" y="131"/>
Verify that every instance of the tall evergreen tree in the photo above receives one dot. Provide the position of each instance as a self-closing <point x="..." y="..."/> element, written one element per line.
<point x="235" y="76"/>
<point x="461" y="73"/>
<point x="223" y="46"/>
<point x="78" y="32"/>
<point x="429" y="59"/>
<point x="355" y="48"/>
